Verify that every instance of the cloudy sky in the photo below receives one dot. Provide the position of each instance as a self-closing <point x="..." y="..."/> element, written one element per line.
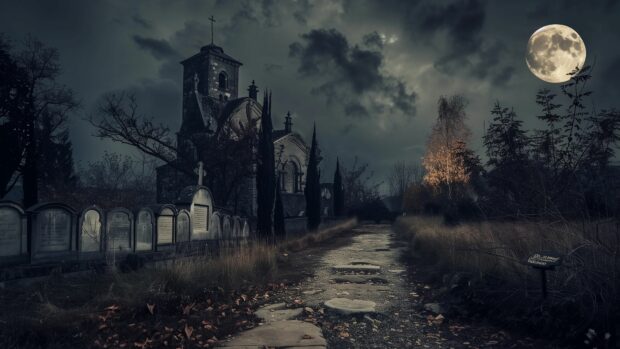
<point x="368" y="72"/>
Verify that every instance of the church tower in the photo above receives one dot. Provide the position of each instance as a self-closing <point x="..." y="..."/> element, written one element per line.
<point x="209" y="73"/>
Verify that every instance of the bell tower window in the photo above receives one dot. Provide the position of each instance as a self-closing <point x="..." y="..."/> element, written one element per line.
<point x="222" y="81"/>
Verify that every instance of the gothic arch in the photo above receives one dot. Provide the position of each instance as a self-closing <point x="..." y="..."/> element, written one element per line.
<point x="222" y="80"/>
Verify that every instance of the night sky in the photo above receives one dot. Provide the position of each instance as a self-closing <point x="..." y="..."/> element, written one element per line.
<point x="367" y="72"/>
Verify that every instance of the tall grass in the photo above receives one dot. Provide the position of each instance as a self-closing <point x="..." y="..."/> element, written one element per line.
<point x="588" y="279"/>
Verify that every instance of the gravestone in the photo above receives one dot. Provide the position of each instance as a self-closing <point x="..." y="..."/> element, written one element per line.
<point x="245" y="233"/>
<point x="183" y="226"/>
<point x="227" y="231"/>
<point x="216" y="225"/>
<point x="90" y="230"/>
<point x="144" y="230"/>
<point x="200" y="211"/>
<point x="164" y="228"/>
<point x="52" y="231"/>
<point x="199" y="202"/>
<point x="119" y="230"/>
<point x="13" y="237"/>
<point x="236" y="230"/>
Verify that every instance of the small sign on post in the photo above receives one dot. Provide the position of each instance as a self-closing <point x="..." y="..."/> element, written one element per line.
<point x="544" y="261"/>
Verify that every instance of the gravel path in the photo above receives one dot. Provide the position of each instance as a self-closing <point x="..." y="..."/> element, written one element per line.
<point x="401" y="318"/>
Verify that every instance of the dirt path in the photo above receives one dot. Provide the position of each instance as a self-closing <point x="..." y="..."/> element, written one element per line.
<point x="402" y="318"/>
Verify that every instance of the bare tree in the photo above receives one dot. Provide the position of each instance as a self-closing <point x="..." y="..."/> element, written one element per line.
<point x="228" y="153"/>
<point x="402" y="176"/>
<point x="117" y="181"/>
<point x="358" y="189"/>
<point x="34" y="96"/>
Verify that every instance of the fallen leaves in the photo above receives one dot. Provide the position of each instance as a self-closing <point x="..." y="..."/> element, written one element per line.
<point x="151" y="308"/>
<point x="188" y="331"/>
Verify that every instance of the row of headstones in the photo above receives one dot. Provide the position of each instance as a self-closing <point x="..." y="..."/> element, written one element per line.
<point x="58" y="232"/>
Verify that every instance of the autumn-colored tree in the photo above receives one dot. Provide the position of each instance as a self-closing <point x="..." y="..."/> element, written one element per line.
<point x="444" y="164"/>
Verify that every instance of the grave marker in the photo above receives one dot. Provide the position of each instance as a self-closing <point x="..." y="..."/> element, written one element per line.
<point x="144" y="230"/>
<point x="200" y="212"/>
<point x="13" y="238"/>
<point x="183" y="226"/>
<point x="52" y="231"/>
<point x="119" y="230"/>
<point x="90" y="230"/>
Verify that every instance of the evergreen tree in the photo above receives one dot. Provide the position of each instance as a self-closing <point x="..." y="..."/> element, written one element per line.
<point x="313" y="187"/>
<point x="279" y="228"/>
<point x="265" y="173"/>
<point x="338" y="192"/>
<point x="57" y="178"/>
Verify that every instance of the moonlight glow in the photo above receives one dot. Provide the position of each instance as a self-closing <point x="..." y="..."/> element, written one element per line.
<point x="553" y="51"/>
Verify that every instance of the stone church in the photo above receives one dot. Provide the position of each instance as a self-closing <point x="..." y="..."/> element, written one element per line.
<point x="211" y="98"/>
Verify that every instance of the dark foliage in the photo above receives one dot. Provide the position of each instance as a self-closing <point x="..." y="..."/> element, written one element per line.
<point x="279" y="229"/>
<point x="265" y="173"/>
<point x="37" y="108"/>
<point x="339" y="209"/>
<point x="313" y="187"/>
<point x="561" y="170"/>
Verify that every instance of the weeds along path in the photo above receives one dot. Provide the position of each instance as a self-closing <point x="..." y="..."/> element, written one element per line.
<point x="358" y="290"/>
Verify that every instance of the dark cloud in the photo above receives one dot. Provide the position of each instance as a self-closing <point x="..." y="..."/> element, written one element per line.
<point x="141" y="21"/>
<point x="373" y="40"/>
<point x="351" y="75"/>
<point x="463" y="21"/>
<point x="158" y="48"/>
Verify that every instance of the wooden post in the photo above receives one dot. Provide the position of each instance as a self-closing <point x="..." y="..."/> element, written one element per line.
<point x="543" y="280"/>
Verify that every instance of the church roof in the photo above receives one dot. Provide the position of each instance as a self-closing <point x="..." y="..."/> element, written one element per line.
<point x="277" y="134"/>
<point x="215" y="51"/>
<point x="231" y="106"/>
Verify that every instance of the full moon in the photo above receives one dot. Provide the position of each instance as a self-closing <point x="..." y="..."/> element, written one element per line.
<point x="554" y="51"/>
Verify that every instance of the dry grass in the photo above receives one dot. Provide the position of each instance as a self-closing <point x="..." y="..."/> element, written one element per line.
<point x="588" y="278"/>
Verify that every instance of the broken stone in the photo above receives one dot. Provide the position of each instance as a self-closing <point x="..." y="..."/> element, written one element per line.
<point x="350" y="306"/>
<point x="277" y="312"/>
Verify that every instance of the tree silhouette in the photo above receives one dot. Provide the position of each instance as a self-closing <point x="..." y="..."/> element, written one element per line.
<point x="313" y="187"/>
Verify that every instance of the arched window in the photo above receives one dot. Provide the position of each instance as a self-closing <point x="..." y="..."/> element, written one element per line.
<point x="291" y="176"/>
<point x="222" y="81"/>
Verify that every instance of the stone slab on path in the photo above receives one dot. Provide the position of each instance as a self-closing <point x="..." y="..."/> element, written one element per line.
<point x="348" y="306"/>
<point x="360" y="279"/>
<point x="280" y="334"/>
<point x="358" y="268"/>
<point x="361" y="262"/>
<point x="277" y="312"/>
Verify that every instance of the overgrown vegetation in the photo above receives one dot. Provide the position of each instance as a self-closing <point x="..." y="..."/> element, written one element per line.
<point x="584" y="292"/>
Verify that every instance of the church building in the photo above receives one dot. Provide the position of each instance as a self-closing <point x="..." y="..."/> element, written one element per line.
<point x="211" y="99"/>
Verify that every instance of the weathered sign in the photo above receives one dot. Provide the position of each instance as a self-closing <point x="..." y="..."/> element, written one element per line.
<point x="546" y="260"/>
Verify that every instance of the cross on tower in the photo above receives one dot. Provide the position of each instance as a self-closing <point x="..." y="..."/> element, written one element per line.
<point x="200" y="172"/>
<point x="212" y="21"/>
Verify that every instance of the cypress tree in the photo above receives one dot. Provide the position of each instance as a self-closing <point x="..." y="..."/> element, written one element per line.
<point x="279" y="228"/>
<point x="313" y="187"/>
<point x="338" y="192"/>
<point x="265" y="173"/>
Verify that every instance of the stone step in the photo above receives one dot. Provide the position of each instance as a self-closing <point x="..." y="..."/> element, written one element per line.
<point x="280" y="334"/>
<point x="358" y="268"/>
<point x="348" y="306"/>
<point x="277" y="312"/>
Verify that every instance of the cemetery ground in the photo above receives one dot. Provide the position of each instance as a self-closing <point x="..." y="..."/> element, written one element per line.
<point x="407" y="302"/>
